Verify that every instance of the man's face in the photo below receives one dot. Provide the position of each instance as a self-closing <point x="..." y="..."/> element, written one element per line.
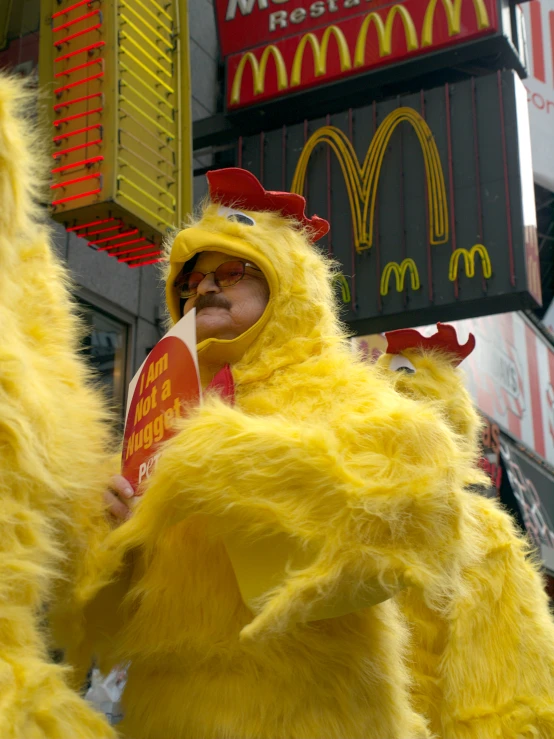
<point x="226" y="312"/>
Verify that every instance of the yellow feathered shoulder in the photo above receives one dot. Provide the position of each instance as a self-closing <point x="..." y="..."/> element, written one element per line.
<point x="52" y="450"/>
<point x="484" y="666"/>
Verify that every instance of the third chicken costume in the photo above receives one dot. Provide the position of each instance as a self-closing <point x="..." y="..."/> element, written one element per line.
<point x="254" y="591"/>
<point x="484" y="666"/>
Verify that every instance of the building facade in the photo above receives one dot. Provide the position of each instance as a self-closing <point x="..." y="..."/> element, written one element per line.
<point x="124" y="307"/>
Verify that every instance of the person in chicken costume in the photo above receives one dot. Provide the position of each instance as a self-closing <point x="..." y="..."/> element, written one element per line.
<point x="250" y="592"/>
<point x="484" y="666"/>
<point x="53" y="442"/>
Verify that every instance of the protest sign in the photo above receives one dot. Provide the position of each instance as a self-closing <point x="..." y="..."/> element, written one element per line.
<point x="166" y="384"/>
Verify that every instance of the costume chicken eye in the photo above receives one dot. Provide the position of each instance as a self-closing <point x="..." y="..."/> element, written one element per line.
<point x="235" y="215"/>
<point x="401" y="364"/>
<point x="241" y="218"/>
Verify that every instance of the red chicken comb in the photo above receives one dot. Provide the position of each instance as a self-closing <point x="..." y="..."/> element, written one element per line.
<point x="445" y="339"/>
<point x="233" y="186"/>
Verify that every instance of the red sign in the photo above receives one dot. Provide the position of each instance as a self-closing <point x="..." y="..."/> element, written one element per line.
<point x="167" y="384"/>
<point x="320" y="42"/>
<point x="244" y="24"/>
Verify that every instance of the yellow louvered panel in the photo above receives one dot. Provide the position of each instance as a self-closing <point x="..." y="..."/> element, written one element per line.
<point x="117" y="74"/>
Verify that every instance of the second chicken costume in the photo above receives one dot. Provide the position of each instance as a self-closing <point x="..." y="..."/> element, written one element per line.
<point x="484" y="666"/>
<point x="250" y="590"/>
<point x="53" y="442"/>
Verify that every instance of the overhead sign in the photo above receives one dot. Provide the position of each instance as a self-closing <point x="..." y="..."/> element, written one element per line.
<point x="244" y="24"/>
<point x="527" y="492"/>
<point x="539" y="21"/>
<point x="119" y="123"/>
<point x="274" y="49"/>
<point x="430" y="198"/>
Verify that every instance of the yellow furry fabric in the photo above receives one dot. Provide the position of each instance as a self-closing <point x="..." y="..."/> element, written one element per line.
<point x="483" y="667"/>
<point x="323" y="452"/>
<point x="52" y="451"/>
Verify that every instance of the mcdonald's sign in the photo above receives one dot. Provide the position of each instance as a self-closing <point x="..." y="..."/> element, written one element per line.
<point x="328" y="41"/>
<point x="468" y="257"/>
<point x="399" y="271"/>
<point x="362" y="181"/>
<point x="424" y="220"/>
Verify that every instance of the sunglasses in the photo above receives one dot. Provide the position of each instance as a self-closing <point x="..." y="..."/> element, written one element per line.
<point x="227" y="274"/>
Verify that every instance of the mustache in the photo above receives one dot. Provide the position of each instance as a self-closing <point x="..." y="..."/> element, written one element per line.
<point x="211" y="300"/>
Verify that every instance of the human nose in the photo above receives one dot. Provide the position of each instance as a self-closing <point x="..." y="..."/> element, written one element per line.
<point x="208" y="285"/>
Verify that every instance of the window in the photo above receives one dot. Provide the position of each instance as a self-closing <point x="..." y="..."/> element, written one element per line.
<point x="106" y="347"/>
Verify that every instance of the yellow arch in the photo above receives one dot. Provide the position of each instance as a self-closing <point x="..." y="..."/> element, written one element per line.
<point x="258" y="72"/>
<point x="453" y="10"/>
<point x="400" y="275"/>
<point x="319" y="52"/>
<point x="348" y="161"/>
<point x="469" y="262"/>
<point x="362" y="182"/>
<point x="340" y="279"/>
<point x="384" y="33"/>
<point x="438" y="204"/>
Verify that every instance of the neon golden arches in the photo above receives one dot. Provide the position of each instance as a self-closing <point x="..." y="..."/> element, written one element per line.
<point x="384" y="33"/>
<point x="469" y="262"/>
<point x="399" y="271"/>
<point x="453" y="10"/>
<point x="362" y="182"/>
<point x="436" y="189"/>
<point x="342" y="282"/>
<point x="319" y="52"/>
<point x="258" y="72"/>
<point x="353" y="176"/>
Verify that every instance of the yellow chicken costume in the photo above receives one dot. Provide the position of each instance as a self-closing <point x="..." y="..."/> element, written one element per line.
<point x="250" y="592"/>
<point x="484" y="666"/>
<point x="52" y="451"/>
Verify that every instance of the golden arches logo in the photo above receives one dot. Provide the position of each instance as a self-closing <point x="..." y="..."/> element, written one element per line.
<point x="469" y="262"/>
<point x="399" y="271"/>
<point x="340" y="280"/>
<point x="362" y="182"/>
<point x="319" y="52"/>
<point x="384" y="33"/>
<point x="258" y="72"/>
<point x="453" y="10"/>
<point x="384" y="26"/>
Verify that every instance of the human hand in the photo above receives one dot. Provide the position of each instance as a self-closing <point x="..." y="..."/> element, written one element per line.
<point x="118" y="499"/>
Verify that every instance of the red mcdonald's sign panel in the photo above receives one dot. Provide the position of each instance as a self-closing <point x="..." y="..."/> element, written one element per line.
<point x="319" y="42"/>
<point x="243" y="24"/>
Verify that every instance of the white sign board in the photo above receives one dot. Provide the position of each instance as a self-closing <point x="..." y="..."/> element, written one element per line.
<point x="539" y="24"/>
